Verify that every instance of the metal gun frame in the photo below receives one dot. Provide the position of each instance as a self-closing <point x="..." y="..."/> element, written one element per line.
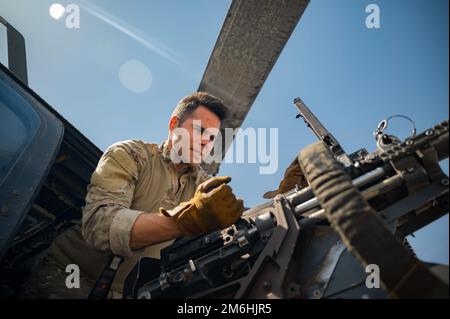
<point x="286" y="248"/>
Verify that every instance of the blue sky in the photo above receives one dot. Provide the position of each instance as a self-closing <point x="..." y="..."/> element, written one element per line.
<point x="350" y="76"/>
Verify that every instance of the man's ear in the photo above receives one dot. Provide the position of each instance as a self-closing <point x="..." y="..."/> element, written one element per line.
<point x="173" y="123"/>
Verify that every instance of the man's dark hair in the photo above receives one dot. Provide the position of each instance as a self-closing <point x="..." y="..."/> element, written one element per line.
<point x="190" y="103"/>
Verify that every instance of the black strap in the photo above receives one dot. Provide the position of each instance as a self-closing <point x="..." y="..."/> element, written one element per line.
<point x="104" y="282"/>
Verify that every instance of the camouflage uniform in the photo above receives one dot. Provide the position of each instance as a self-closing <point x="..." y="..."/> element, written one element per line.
<point x="131" y="178"/>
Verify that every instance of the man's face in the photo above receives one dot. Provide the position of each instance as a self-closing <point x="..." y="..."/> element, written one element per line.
<point x="201" y="127"/>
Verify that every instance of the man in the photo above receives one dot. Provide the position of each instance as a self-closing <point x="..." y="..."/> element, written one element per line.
<point x="142" y="197"/>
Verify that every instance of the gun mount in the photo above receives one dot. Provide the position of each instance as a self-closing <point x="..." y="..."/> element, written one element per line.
<point x="318" y="242"/>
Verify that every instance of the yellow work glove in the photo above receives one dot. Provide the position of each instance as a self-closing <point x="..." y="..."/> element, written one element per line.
<point x="213" y="207"/>
<point x="292" y="176"/>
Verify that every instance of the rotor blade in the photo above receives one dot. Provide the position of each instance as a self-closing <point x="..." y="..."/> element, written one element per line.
<point x="250" y="41"/>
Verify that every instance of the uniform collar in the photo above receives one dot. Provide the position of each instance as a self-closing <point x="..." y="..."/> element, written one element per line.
<point x="164" y="149"/>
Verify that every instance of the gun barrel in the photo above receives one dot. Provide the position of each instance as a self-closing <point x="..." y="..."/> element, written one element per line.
<point x="357" y="182"/>
<point x="383" y="187"/>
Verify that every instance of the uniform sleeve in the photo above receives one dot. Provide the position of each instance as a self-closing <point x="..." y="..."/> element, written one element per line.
<point x="107" y="218"/>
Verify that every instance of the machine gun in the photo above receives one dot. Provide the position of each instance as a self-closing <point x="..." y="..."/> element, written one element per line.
<point x="341" y="237"/>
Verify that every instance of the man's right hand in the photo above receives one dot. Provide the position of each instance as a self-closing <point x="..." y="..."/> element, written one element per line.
<point x="213" y="207"/>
